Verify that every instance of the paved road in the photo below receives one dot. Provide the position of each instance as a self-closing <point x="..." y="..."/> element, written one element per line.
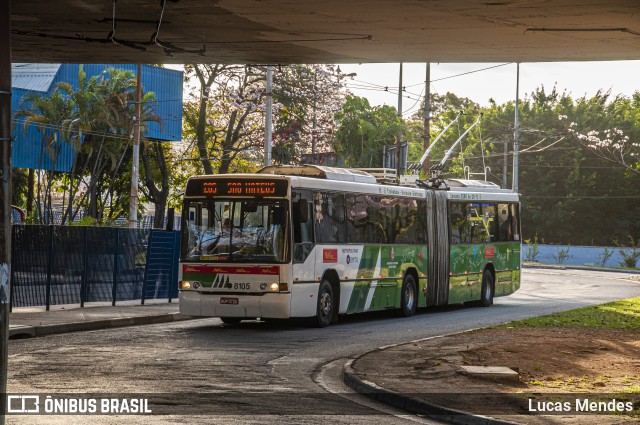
<point x="260" y="368"/>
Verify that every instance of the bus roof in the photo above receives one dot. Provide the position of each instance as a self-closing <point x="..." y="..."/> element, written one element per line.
<point x="319" y="171"/>
<point x="356" y="181"/>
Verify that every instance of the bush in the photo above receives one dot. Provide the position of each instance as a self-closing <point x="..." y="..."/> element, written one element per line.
<point x="630" y="256"/>
<point x="604" y="256"/>
<point x="533" y="250"/>
<point x="562" y="255"/>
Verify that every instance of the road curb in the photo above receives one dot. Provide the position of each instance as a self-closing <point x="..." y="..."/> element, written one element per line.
<point x="90" y="325"/>
<point x="410" y="404"/>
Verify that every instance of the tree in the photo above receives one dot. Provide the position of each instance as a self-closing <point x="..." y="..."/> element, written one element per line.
<point x="612" y="143"/>
<point x="363" y="131"/>
<point x="154" y="160"/>
<point x="565" y="188"/>
<point x="224" y="121"/>
<point x="89" y="110"/>
<point x="47" y="113"/>
<point x="307" y="98"/>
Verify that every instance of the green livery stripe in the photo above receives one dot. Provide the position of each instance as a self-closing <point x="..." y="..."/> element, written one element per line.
<point x="358" y="297"/>
<point x="365" y="269"/>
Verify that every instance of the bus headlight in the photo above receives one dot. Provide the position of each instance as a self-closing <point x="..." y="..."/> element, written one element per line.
<point x="263" y="286"/>
<point x="274" y="286"/>
<point x="184" y="285"/>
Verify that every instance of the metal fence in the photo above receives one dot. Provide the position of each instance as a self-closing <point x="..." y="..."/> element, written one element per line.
<point x="77" y="264"/>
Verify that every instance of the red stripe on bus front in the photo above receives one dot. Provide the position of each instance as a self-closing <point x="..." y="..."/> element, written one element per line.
<point x="271" y="270"/>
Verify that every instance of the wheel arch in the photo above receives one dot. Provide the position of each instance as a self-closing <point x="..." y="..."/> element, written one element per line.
<point x="334" y="280"/>
<point x="414" y="272"/>
<point x="492" y="270"/>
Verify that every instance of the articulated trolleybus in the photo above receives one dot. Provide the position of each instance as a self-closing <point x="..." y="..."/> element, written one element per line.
<point x="312" y="241"/>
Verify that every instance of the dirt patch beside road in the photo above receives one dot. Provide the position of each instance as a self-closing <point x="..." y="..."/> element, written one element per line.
<point x="556" y="365"/>
<point x="562" y="360"/>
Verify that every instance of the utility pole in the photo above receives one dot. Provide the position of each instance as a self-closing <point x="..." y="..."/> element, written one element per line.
<point x="133" y="199"/>
<point x="427" y="117"/>
<point x="505" y="171"/>
<point x="399" y="139"/>
<point x="5" y="197"/>
<point x="315" y="113"/>
<point x="268" y="111"/>
<point x="516" y="133"/>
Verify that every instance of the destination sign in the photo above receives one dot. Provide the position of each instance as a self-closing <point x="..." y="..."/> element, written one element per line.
<point x="237" y="187"/>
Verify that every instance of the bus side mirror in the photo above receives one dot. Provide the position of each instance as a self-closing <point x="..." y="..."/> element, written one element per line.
<point x="303" y="211"/>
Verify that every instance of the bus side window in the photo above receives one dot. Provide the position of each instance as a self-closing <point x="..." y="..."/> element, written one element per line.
<point x="459" y="223"/>
<point x="489" y="222"/>
<point x="325" y="227"/>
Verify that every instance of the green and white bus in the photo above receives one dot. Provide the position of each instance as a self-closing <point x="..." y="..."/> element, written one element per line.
<point x="312" y="241"/>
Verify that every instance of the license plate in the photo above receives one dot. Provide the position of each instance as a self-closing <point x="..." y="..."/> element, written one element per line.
<point x="225" y="300"/>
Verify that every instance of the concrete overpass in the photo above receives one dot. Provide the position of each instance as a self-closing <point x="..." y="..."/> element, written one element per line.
<point x="323" y="31"/>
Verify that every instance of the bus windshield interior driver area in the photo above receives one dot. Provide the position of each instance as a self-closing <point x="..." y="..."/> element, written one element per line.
<point x="235" y="231"/>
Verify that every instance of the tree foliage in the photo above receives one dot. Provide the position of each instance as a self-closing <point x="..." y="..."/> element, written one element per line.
<point x="364" y="131"/>
<point x="570" y="194"/>
<point x="224" y="121"/>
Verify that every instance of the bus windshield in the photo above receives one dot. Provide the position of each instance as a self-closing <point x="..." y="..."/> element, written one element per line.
<point x="235" y="231"/>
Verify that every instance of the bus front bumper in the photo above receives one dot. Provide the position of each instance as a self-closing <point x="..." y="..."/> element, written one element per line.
<point x="269" y="305"/>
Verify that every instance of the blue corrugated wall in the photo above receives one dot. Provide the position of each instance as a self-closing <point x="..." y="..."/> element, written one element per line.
<point x="165" y="83"/>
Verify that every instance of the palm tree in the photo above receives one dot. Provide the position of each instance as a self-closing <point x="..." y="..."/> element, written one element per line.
<point x="47" y="114"/>
<point x="88" y="114"/>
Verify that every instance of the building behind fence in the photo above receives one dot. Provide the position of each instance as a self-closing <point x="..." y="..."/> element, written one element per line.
<point x="54" y="265"/>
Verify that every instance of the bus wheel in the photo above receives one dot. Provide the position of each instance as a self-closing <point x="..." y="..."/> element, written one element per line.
<point x="230" y="320"/>
<point x="486" y="296"/>
<point x="408" y="298"/>
<point x="324" y="312"/>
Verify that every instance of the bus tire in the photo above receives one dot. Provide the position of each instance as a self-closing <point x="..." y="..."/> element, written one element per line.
<point x="230" y="320"/>
<point x="408" y="296"/>
<point x="486" y="295"/>
<point x="324" y="311"/>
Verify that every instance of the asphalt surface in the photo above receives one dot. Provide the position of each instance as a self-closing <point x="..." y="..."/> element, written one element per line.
<point x="357" y="373"/>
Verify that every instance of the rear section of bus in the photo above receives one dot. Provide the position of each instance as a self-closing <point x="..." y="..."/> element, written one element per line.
<point x="235" y="247"/>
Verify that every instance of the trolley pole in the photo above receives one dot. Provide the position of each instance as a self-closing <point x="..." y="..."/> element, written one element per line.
<point x="5" y="197"/>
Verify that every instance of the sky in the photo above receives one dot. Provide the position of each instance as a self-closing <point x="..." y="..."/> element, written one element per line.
<point x="497" y="82"/>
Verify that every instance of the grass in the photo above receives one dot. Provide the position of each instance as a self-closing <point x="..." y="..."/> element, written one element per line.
<point x="623" y="314"/>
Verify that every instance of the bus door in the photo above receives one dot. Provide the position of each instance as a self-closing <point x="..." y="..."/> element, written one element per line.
<point x="303" y="241"/>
